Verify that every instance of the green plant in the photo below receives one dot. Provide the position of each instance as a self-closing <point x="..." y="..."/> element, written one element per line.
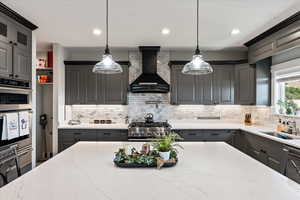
<point x="167" y="143"/>
<point x="289" y="105"/>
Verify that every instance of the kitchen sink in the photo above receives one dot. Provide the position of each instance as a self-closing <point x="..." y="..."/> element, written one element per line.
<point x="277" y="134"/>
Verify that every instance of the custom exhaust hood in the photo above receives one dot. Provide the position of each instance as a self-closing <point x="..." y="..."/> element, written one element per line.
<point x="149" y="81"/>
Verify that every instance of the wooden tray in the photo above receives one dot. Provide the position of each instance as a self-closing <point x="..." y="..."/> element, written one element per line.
<point x="136" y="165"/>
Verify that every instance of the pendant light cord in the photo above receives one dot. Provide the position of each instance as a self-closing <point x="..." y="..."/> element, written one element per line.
<point x="106" y="47"/>
<point x="197" y="49"/>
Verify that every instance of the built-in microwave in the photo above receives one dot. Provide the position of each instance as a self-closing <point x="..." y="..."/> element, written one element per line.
<point x="14" y="99"/>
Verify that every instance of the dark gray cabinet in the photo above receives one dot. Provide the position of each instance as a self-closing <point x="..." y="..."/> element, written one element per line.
<point x="75" y="85"/>
<point x="292" y="163"/>
<point x="206" y="135"/>
<point x="85" y="87"/>
<point x="244" y="84"/>
<point x="265" y="150"/>
<point x="15" y="50"/>
<point x="253" y="83"/>
<point x="263" y="82"/>
<point x="280" y="41"/>
<point x="223" y="84"/>
<point x="182" y="87"/>
<point x="68" y="137"/>
<point x="215" y="88"/>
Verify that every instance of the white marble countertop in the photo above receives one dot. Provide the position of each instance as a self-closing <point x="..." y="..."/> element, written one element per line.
<point x="93" y="126"/>
<point x="205" y="171"/>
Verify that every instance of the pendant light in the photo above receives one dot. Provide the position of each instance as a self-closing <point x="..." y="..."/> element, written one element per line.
<point x="197" y="66"/>
<point x="107" y="65"/>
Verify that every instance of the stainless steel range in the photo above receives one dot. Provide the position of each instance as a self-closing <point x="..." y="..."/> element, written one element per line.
<point x="148" y="131"/>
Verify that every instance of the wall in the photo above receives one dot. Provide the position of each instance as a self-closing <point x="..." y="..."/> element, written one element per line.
<point x="138" y="104"/>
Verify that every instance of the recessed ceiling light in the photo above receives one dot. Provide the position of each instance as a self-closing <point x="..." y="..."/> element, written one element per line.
<point x="97" y="31"/>
<point x="165" y="31"/>
<point x="235" y="31"/>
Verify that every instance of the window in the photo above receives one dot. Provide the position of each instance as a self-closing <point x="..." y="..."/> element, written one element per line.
<point x="288" y="95"/>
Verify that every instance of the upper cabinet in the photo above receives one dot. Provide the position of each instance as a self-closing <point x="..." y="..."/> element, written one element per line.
<point x="282" y="37"/>
<point x="85" y="87"/>
<point x="253" y="83"/>
<point x="245" y="84"/>
<point x="15" y="47"/>
<point x="230" y="83"/>
<point x="215" y="88"/>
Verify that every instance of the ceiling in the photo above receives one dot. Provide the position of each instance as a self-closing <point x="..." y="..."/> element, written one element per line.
<point x="139" y="22"/>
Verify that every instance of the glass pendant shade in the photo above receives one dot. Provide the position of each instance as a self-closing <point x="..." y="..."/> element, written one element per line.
<point x="107" y="66"/>
<point x="197" y="66"/>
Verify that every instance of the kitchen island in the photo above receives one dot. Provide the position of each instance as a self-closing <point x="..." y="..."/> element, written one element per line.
<point x="209" y="171"/>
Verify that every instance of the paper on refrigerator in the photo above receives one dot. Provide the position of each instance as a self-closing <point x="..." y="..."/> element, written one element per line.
<point x="12" y="125"/>
<point x="24" y="123"/>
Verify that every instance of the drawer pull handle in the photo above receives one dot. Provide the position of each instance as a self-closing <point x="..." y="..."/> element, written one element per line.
<point x="192" y="134"/>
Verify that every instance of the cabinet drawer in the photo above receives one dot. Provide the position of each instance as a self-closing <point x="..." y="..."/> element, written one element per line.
<point x="89" y="135"/>
<point x="192" y="135"/>
<point x="219" y="135"/>
<point x="112" y="135"/>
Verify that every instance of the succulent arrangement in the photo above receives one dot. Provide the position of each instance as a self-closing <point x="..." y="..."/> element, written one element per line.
<point x="150" y="157"/>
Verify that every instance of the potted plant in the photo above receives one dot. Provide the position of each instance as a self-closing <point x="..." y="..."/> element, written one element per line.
<point x="282" y="106"/>
<point x="166" y="145"/>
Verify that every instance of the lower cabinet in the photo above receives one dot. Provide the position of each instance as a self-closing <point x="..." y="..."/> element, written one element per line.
<point x="206" y="135"/>
<point x="68" y="137"/>
<point x="266" y="151"/>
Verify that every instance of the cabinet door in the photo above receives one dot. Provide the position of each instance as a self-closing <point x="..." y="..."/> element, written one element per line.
<point x="292" y="170"/>
<point x="22" y="38"/>
<point x="75" y="85"/>
<point x="6" y="60"/>
<point x="245" y="85"/>
<point x="223" y="84"/>
<point x="6" y="29"/>
<point x="275" y="153"/>
<point x="92" y="85"/>
<point x="183" y="87"/>
<point x="22" y="64"/>
<point x="116" y="87"/>
<point x="204" y="89"/>
<point x="263" y="82"/>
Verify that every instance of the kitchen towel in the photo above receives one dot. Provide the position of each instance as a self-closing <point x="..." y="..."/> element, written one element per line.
<point x="24" y="123"/>
<point x="12" y="125"/>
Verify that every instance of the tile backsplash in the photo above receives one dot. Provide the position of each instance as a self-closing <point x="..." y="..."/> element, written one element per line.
<point x="164" y="111"/>
<point x="139" y="104"/>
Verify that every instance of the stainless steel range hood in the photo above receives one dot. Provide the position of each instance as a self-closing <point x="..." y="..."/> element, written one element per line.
<point x="149" y="81"/>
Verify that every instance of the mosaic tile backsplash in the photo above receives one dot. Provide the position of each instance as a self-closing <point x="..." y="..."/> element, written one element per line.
<point x="158" y="104"/>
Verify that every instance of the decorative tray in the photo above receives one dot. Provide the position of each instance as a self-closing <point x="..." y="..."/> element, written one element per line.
<point x="145" y="159"/>
<point x="142" y="165"/>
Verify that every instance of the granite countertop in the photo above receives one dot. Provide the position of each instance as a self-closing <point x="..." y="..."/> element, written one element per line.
<point x="207" y="171"/>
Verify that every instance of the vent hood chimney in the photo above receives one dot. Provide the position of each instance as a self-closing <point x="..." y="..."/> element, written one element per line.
<point x="149" y="81"/>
